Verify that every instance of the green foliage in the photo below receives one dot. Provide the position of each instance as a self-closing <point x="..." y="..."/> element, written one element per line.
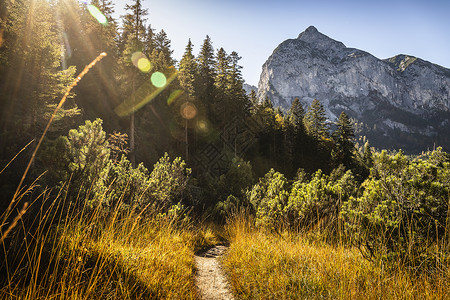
<point x="315" y="121"/>
<point x="168" y="181"/>
<point x="122" y="184"/>
<point x="205" y="75"/>
<point x="367" y="155"/>
<point x="404" y="206"/>
<point x="232" y="187"/>
<point x="149" y="192"/>
<point x="133" y="21"/>
<point x="343" y="138"/>
<point x="238" y="177"/>
<point x="88" y="154"/>
<point x="268" y="198"/>
<point x="188" y="68"/>
<point x="103" y="181"/>
<point x="31" y="77"/>
<point x="162" y="46"/>
<point x="319" y="200"/>
<point x="53" y="157"/>
<point x="296" y="113"/>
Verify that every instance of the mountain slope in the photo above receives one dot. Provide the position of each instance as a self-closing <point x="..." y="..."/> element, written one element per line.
<point x="401" y="102"/>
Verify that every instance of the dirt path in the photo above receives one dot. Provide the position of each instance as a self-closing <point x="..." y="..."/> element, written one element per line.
<point x="210" y="277"/>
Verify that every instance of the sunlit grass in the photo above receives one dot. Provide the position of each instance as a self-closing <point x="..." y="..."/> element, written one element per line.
<point x="264" y="265"/>
<point x="84" y="256"/>
<point x="63" y="249"/>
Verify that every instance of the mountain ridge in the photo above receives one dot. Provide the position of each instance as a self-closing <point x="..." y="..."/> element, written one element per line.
<point x="369" y="89"/>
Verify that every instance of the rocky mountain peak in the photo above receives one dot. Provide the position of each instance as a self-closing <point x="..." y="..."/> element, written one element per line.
<point x="318" y="40"/>
<point x="402" y="102"/>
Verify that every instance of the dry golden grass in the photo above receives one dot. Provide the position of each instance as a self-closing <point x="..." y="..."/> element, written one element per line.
<point x="63" y="253"/>
<point x="87" y="256"/>
<point x="263" y="265"/>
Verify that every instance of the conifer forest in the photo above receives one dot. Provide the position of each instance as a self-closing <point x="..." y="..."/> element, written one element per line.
<point x="120" y="163"/>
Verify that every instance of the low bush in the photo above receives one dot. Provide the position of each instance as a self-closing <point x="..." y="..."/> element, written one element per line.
<point x="404" y="209"/>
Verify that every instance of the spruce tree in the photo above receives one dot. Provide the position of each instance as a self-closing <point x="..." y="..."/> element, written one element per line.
<point x="296" y="113"/>
<point x="187" y="71"/>
<point x="222" y="66"/>
<point x="343" y="138"/>
<point x="162" y="45"/>
<point x="368" y="156"/>
<point x="133" y="34"/>
<point x="315" y="121"/>
<point x="222" y="106"/>
<point x="133" y="22"/>
<point x="253" y="100"/>
<point x="31" y="65"/>
<point x="205" y="75"/>
<point x="241" y="101"/>
<point x="149" y="42"/>
<point x="267" y="103"/>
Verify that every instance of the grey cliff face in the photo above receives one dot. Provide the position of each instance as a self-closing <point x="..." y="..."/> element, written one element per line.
<point x="248" y="88"/>
<point x="402" y="95"/>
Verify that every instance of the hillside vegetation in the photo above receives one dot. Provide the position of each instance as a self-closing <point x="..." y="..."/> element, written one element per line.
<point x="111" y="180"/>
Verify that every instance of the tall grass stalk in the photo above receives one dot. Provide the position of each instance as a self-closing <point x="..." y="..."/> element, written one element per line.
<point x="65" y="252"/>
<point x="17" y="193"/>
<point x="262" y="264"/>
<point x="75" y="253"/>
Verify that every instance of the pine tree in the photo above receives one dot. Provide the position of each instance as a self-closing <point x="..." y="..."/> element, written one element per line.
<point x="296" y="113"/>
<point x="187" y="71"/>
<point x="133" y="22"/>
<point x="343" y="138"/>
<point x="133" y="34"/>
<point x="315" y="121"/>
<point x="222" y="104"/>
<point x="149" y="42"/>
<point x="31" y="54"/>
<point x="205" y="74"/>
<point x="162" y="45"/>
<point x="253" y="99"/>
<point x="368" y="155"/>
<point x="222" y="66"/>
<point x="267" y="103"/>
<point x="241" y="101"/>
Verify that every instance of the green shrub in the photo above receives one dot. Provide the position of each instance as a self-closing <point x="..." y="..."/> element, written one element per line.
<point x="167" y="183"/>
<point x="269" y="198"/>
<point x="104" y="182"/>
<point x="231" y="188"/>
<point x="404" y="207"/>
<point x="121" y="183"/>
<point x="155" y="192"/>
<point x="319" y="199"/>
<point x="88" y="154"/>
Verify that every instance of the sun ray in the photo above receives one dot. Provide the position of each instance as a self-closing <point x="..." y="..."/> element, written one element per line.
<point x="143" y="95"/>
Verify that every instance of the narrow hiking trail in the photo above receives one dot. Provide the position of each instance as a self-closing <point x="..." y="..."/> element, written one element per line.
<point x="210" y="278"/>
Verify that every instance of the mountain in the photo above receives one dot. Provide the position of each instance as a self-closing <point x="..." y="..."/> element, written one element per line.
<point x="248" y="88"/>
<point x="400" y="103"/>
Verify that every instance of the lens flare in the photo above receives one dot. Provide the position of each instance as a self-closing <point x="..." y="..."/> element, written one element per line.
<point x="174" y="96"/>
<point x="188" y="110"/>
<point x="97" y="14"/>
<point x="146" y="93"/>
<point x="141" y="62"/>
<point x="144" y="65"/>
<point x="203" y="127"/>
<point x="158" y="79"/>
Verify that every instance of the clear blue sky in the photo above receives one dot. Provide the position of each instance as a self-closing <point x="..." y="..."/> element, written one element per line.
<point x="255" y="28"/>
